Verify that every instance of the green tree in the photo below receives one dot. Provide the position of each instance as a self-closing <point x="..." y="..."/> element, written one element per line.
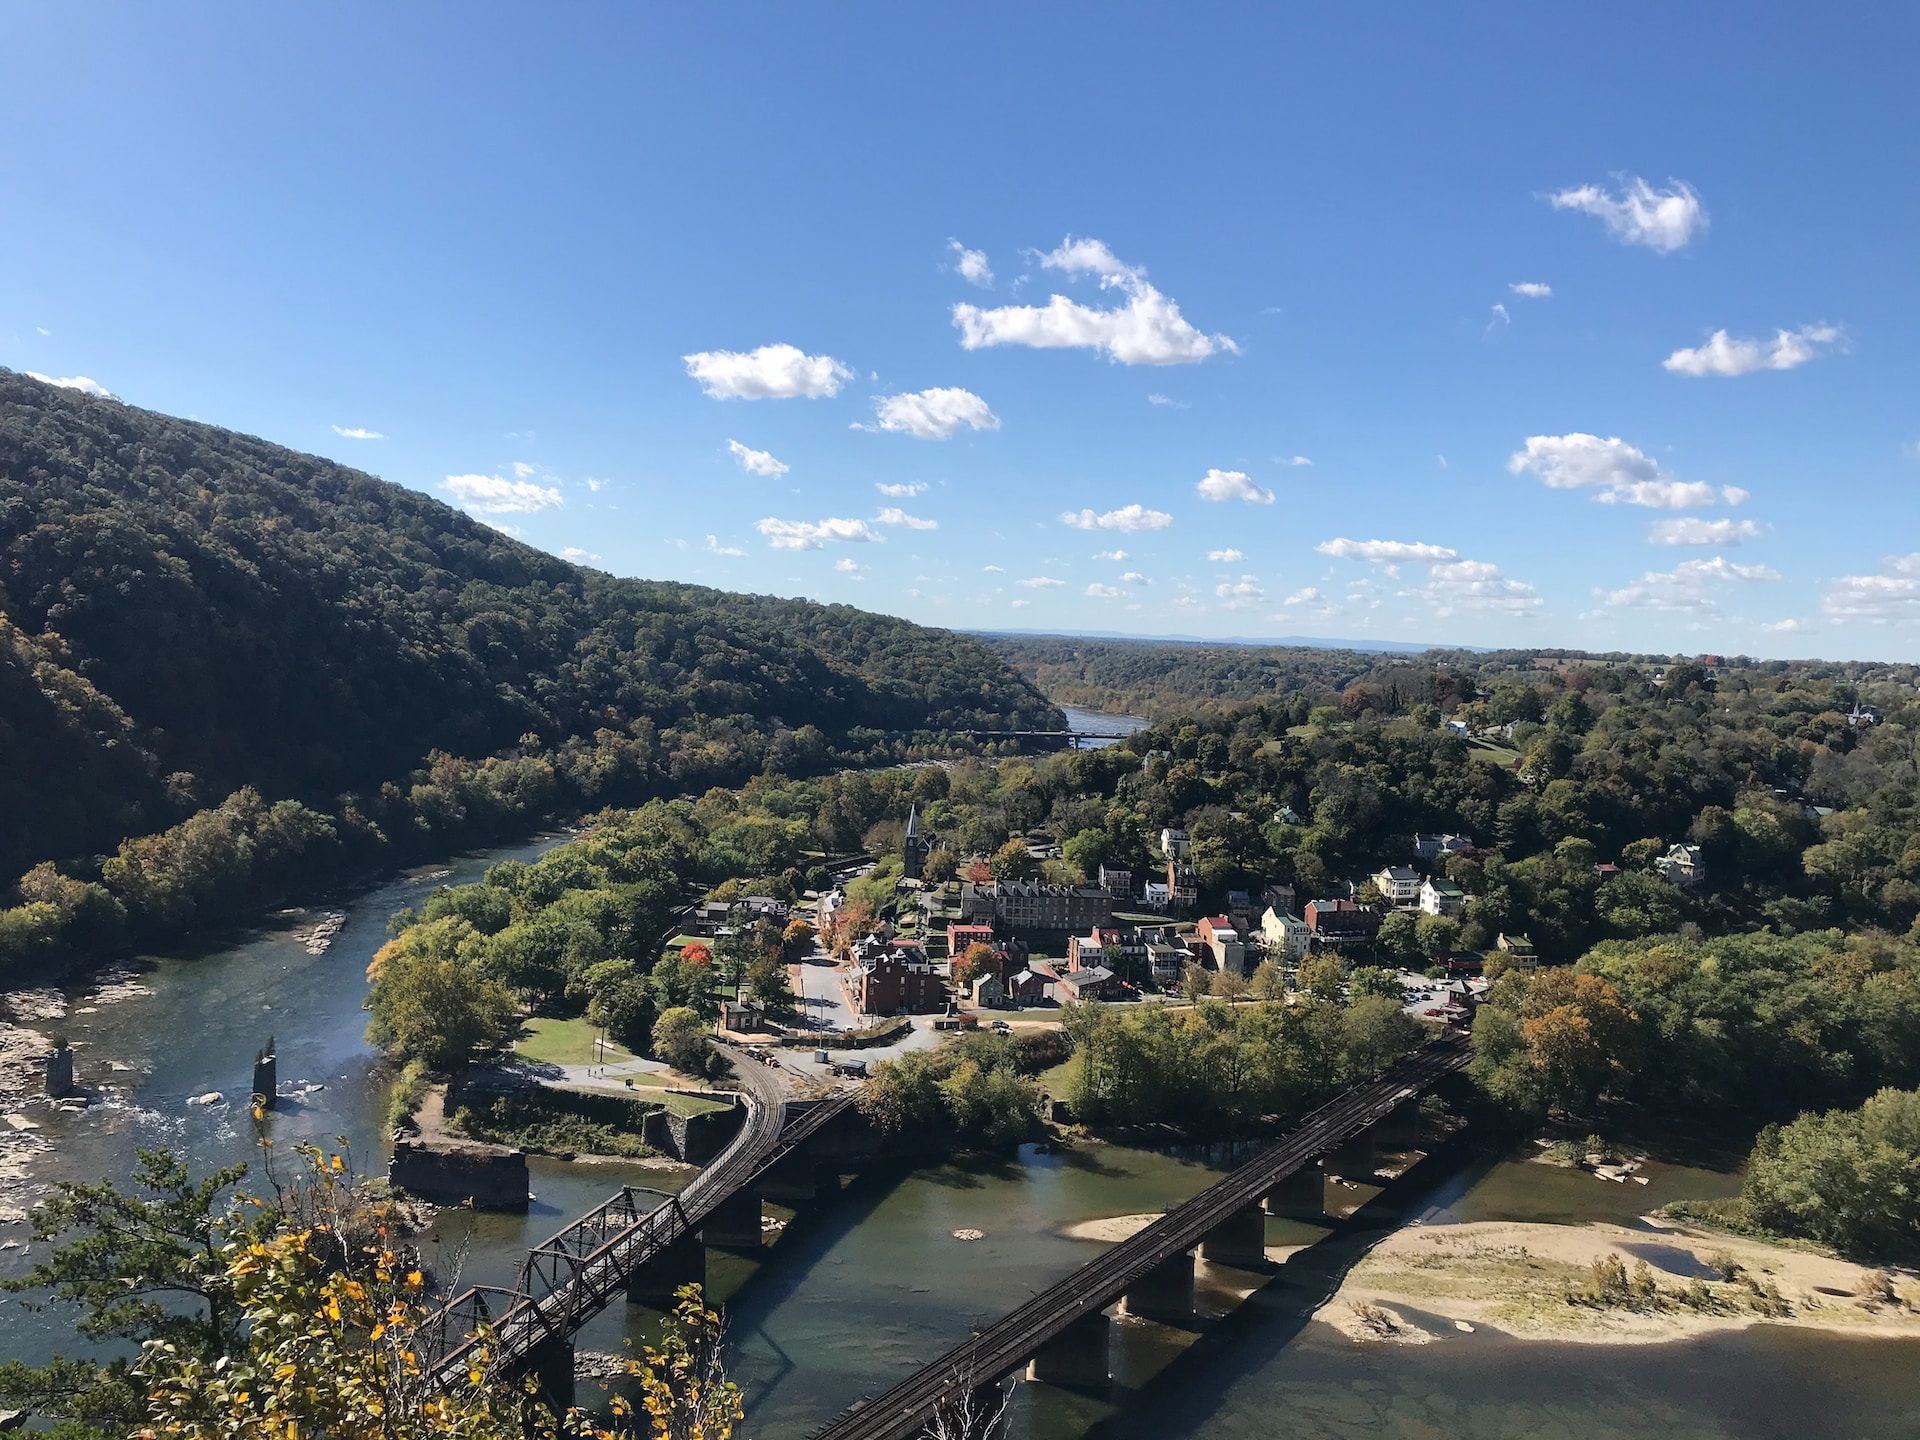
<point x="1013" y="861"/>
<point x="680" y="1039"/>
<point x="769" y="983"/>
<point x="1399" y="937"/>
<point x="1322" y="976"/>
<point x="143" y="1264"/>
<point x="1373" y="982"/>
<point x="428" y="1004"/>
<point x="1269" y="981"/>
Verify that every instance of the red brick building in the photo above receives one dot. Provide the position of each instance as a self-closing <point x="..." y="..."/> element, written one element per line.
<point x="895" y="979"/>
<point x="1339" y="922"/>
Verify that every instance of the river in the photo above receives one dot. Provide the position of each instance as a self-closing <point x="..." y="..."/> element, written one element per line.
<point x="1101" y="722"/>
<point x="866" y="1284"/>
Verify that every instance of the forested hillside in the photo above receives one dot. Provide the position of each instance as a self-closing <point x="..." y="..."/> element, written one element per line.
<point x="185" y="611"/>
<point x="1164" y="678"/>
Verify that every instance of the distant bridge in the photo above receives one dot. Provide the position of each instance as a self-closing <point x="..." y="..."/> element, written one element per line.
<point x="1061" y="1333"/>
<point x="639" y="1243"/>
<point x="1057" y="739"/>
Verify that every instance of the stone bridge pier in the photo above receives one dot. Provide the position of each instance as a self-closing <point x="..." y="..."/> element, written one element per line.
<point x="1239" y="1240"/>
<point x="734" y="1223"/>
<point x="1164" y="1293"/>
<point x="684" y="1262"/>
<point x="550" y="1366"/>
<point x="1301" y="1195"/>
<point x="1076" y="1357"/>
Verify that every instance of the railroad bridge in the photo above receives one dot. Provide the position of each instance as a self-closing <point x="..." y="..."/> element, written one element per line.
<point x="1060" y="1335"/>
<point x="640" y="1244"/>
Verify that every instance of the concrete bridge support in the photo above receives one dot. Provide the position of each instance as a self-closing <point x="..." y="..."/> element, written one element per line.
<point x="793" y="1179"/>
<point x="1399" y="1128"/>
<point x="1301" y="1196"/>
<point x="684" y="1262"/>
<point x="1240" y="1239"/>
<point x="734" y="1223"/>
<point x="550" y="1364"/>
<point x="1076" y="1357"/>
<point x="1165" y="1292"/>
<point x="1356" y="1159"/>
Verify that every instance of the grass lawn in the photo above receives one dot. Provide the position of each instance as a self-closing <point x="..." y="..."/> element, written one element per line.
<point x="1493" y="754"/>
<point x="547" y="1041"/>
<point x="1058" y="1081"/>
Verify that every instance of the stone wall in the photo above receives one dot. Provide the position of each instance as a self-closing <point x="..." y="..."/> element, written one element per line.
<point x="451" y="1172"/>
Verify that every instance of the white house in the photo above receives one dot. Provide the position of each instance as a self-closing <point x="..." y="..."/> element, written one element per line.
<point x="1176" y="844"/>
<point x="1435" y="847"/>
<point x="1441" y="897"/>
<point x="1399" y="886"/>
<point x="1683" y="866"/>
<point x="1285" y="934"/>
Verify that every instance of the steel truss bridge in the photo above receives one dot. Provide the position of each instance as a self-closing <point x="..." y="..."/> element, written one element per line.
<point x="569" y="1278"/>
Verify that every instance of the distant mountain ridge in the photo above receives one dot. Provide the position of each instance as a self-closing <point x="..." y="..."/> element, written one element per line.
<point x="185" y="610"/>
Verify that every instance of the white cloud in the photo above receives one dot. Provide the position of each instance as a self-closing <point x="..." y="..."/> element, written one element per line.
<point x="1017" y="604"/>
<point x="595" y="486"/>
<point x="1104" y="592"/>
<point x="773" y="372"/>
<point x="1500" y="316"/>
<point x="812" y="534"/>
<point x="1307" y="595"/>
<point x="1892" y="595"/>
<point x="579" y="556"/>
<point x="1723" y="355"/>
<point x="357" y="432"/>
<point x="901" y="489"/>
<point x="1292" y="460"/>
<point x="1694" y="531"/>
<point x="1111" y="555"/>
<point x="523" y="471"/>
<point x="1385" y="552"/>
<point x="1241" y="594"/>
<point x="1127" y="517"/>
<point x="1224" y="485"/>
<point x="1167" y="402"/>
<point x="1638" y="214"/>
<point x="1530" y="289"/>
<point x="1783" y="627"/>
<point x="497" y="495"/>
<point x="1475" y="585"/>
<point x="1134" y="577"/>
<point x="1691" y="586"/>
<point x="82" y="383"/>
<point x="1226" y="557"/>
<point x="1148" y="329"/>
<point x="1040" y="582"/>
<point x="714" y="547"/>
<point x="755" y="462"/>
<point x="894" y="515"/>
<point x="42" y="330"/>
<point x="933" y="414"/>
<point x="846" y="565"/>
<point x="994" y="569"/>
<point x="971" y="265"/>
<point x="1619" y="472"/>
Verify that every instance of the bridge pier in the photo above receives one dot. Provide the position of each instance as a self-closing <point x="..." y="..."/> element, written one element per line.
<point x="793" y="1179"/>
<point x="1301" y="1195"/>
<point x="684" y="1262"/>
<point x="1076" y="1357"/>
<point x="1240" y="1240"/>
<point x="1399" y="1128"/>
<point x="1356" y="1158"/>
<point x="1164" y="1293"/>
<point x="550" y="1364"/>
<point x="734" y="1223"/>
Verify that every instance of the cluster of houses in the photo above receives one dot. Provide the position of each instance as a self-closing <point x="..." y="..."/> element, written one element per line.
<point x="1114" y="943"/>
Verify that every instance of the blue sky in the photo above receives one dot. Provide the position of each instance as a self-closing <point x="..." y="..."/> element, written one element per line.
<point x="599" y="272"/>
